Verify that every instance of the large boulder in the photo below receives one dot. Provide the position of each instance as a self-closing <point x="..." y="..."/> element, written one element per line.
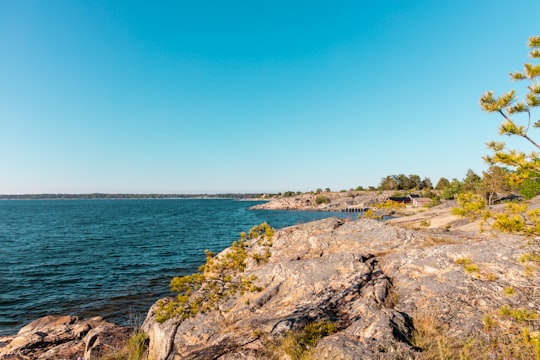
<point x="63" y="337"/>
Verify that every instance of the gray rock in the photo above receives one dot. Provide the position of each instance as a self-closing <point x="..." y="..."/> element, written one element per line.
<point x="319" y="271"/>
<point x="368" y="277"/>
<point x="373" y="280"/>
<point x="337" y="201"/>
<point x="63" y="337"/>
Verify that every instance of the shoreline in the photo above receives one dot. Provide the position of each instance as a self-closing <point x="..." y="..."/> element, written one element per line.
<point x="107" y="235"/>
<point x="392" y="278"/>
<point x="326" y="201"/>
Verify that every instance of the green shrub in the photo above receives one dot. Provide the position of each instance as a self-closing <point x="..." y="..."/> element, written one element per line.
<point x="510" y="223"/>
<point x="368" y="214"/>
<point x="468" y="265"/>
<point x="261" y="229"/>
<point x="497" y="340"/>
<point x="469" y="205"/>
<point x="488" y="322"/>
<point x="530" y="256"/>
<point x="299" y="344"/>
<point x="321" y="199"/>
<point x="509" y="291"/>
<point x="425" y="223"/>
<point x="464" y="260"/>
<point x="134" y="349"/>
<point x="529" y="188"/>
<point x="516" y="219"/>
<point x="218" y="279"/>
<point x="391" y="205"/>
<point x="470" y="268"/>
<point x="520" y="314"/>
<point x="137" y="345"/>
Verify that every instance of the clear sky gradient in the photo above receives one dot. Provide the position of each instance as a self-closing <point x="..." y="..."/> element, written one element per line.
<point x="249" y="96"/>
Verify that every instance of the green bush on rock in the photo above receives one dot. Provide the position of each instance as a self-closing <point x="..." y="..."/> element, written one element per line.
<point x="321" y="199"/>
<point x="218" y="279"/>
<point x="515" y="218"/>
<point x="469" y="205"/>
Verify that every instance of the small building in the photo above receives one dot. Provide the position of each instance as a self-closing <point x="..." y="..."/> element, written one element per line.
<point x="414" y="199"/>
<point x="400" y="199"/>
<point x="419" y="202"/>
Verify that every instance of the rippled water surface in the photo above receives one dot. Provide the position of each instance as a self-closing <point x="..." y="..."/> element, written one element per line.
<point x="112" y="258"/>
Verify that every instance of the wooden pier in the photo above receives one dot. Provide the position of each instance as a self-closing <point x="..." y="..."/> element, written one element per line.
<point x="355" y="209"/>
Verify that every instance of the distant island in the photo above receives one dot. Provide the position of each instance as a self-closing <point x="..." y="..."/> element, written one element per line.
<point x="94" y="196"/>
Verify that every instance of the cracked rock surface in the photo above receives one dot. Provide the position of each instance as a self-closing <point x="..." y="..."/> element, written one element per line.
<point x="368" y="277"/>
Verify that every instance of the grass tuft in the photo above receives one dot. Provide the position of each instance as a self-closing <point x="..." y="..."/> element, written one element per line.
<point x="300" y="344"/>
<point x="134" y="349"/>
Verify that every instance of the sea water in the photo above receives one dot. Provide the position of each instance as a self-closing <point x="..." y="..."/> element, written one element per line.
<point x="112" y="258"/>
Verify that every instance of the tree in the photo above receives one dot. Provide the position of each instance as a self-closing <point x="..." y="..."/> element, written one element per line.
<point x="426" y="183"/>
<point x="494" y="180"/>
<point x="450" y="191"/>
<point x="529" y="188"/>
<point x="403" y="182"/>
<point x="415" y="182"/>
<point x="521" y="167"/>
<point x="442" y="183"/>
<point x="388" y="183"/>
<point x="526" y="166"/>
<point x="472" y="182"/>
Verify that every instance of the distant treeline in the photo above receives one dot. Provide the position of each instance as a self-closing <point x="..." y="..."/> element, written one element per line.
<point x="126" y="196"/>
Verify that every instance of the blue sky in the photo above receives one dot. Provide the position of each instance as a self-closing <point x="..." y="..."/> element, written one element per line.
<point x="249" y="96"/>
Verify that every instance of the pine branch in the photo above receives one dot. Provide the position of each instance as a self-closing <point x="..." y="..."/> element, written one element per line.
<point x="534" y="41"/>
<point x="506" y="117"/>
<point x="532" y="100"/>
<point x="528" y="123"/>
<point x="517" y="76"/>
<point x="511" y="128"/>
<point x="531" y="141"/>
<point x="535" y="88"/>
<point x="531" y="70"/>
<point x="519" y="107"/>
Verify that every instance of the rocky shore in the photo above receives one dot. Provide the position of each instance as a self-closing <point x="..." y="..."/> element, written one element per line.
<point x="64" y="337"/>
<point x="380" y="284"/>
<point x="326" y="201"/>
